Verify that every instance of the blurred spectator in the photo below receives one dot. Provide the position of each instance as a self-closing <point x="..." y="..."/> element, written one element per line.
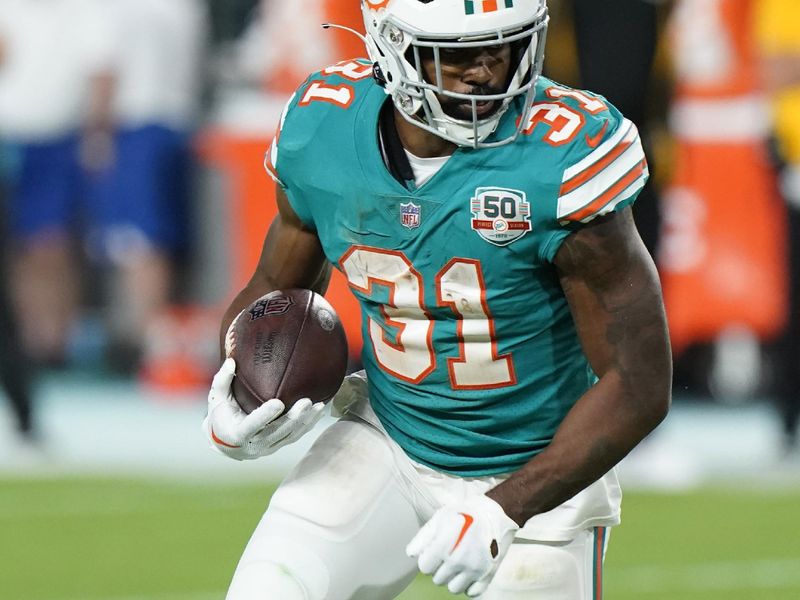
<point x="140" y="187"/>
<point x="15" y="372"/>
<point x="722" y="258"/>
<point x="778" y="26"/>
<point x="113" y="95"/>
<point x="52" y="58"/>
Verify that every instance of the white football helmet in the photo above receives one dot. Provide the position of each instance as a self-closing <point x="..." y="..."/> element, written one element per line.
<point x="399" y="30"/>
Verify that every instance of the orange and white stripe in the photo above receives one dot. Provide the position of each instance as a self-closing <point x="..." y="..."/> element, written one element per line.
<point x="743" y="119"/>
<point x="596" y="184"/>
<point x="598" y="555"/>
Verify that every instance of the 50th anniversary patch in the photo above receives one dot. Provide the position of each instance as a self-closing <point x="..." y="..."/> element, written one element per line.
<point x="499" y="215"/>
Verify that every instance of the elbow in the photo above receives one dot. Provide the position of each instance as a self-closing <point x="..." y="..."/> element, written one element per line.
<point x="655" y="387"/>
<point x="660" y="409"/>
<point x="648" y="398"/>
<point x="657" y="404"/>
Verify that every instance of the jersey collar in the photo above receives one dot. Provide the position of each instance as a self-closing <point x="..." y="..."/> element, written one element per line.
<point x="394" y="156"/>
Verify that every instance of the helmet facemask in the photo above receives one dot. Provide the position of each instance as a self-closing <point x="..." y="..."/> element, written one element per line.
<point x="399" y="51"/>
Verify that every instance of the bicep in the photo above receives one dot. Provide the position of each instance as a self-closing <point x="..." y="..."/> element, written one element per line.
<point x="614" y="294"/>
<point x="292" y="255"/>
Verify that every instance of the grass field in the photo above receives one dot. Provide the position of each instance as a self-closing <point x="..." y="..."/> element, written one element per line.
<point x="122" y="539"/>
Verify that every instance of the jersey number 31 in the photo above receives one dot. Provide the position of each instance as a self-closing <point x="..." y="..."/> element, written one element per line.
<point x="408" y="354"/>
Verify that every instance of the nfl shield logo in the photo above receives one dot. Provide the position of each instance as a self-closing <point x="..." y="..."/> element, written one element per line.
<point x="500" y="216"/>
<point x="409" y="215"/>
<point x="276" y="305"/>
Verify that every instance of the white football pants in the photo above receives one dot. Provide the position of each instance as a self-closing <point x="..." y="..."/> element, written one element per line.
<point x="337" y="528"/>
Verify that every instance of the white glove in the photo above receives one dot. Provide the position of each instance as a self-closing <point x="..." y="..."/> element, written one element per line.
<point x="463" y="543"/>
<point x="352" y="390"/>
<point x="240" y="436"/>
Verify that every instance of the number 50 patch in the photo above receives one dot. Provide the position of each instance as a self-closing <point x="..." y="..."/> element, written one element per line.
<point x="500" y="215"/>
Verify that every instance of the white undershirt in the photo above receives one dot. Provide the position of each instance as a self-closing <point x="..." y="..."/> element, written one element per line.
<point x="425" y="168"/>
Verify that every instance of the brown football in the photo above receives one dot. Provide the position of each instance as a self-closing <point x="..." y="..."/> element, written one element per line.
<point x="289" y="344"/>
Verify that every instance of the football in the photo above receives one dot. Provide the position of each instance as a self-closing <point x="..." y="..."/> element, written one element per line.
<point x="288" y="344"/>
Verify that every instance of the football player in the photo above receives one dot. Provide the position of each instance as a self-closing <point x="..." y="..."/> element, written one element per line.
<point x="515" y="344"/>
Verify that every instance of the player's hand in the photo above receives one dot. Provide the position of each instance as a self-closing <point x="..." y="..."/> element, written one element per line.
<point x="240" y="436"/>
<point x="463" y="543"/>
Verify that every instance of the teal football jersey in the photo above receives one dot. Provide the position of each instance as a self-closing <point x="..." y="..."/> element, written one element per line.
<point x="470" y="349"/>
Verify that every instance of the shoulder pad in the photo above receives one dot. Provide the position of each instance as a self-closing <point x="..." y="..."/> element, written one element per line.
<point x="597" y="182"/>
<point x="600" y="154"/>
<point x="319" y="103"/>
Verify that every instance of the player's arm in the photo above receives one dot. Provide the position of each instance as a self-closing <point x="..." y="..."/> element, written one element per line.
<point x="291" y="257"/>
<point x="614" y="294"/>
<point x="615" y="298"/>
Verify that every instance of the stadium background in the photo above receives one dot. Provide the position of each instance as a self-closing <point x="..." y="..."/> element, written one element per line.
<point x="119" y="498"/>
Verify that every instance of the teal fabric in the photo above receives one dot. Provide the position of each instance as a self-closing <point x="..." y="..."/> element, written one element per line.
<point x="330" y="164"/>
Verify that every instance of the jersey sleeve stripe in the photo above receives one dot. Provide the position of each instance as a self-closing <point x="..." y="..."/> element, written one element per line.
<point x="597" y="182"/>
<point x="271" y="158"/>
<point x="624" y="195"/>
<point x="625" y="131"/>
<point x="572" y="179"/>
<point x="269" y="163"/>
<point x="612" y="196"/>
<point x="587" y="174"/>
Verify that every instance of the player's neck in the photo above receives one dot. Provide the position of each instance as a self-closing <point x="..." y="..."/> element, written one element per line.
<point x="419" y="142"/>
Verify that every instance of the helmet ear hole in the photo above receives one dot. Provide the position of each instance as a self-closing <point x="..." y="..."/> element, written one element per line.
<point x="377" y="74"/>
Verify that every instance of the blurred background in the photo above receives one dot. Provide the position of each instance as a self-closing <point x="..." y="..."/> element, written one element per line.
<point x="133" y="204"/>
